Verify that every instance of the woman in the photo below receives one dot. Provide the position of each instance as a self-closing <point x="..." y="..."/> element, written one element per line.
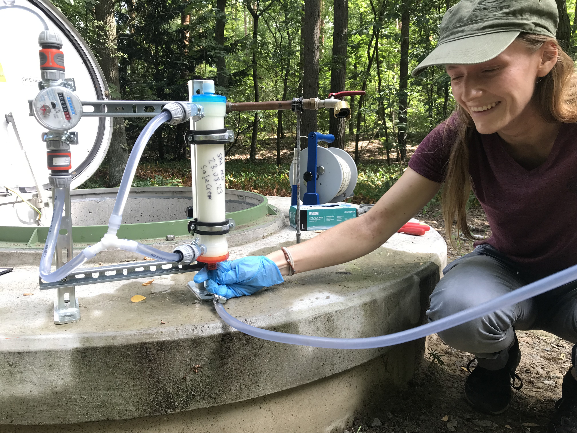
<point x="511" y="140"/>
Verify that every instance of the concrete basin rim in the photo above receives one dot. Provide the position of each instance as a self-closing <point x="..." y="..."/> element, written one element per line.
<point x="167" y="333"/>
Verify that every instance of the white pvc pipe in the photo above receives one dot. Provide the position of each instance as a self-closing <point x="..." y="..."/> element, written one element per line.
<point x="209" y="196"/>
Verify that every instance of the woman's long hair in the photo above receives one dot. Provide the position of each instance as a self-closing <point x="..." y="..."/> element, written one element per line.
<point x="555" y="94"/>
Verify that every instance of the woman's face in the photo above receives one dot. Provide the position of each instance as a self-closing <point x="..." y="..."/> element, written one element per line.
<point x="498" y="94"/>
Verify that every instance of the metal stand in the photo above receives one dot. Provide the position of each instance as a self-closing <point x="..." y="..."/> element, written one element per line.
<point x="297" y="108"/>
<point x="66" y="307"/>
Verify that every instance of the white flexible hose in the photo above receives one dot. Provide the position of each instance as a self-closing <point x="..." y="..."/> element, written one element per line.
<point x="529" y="291"/>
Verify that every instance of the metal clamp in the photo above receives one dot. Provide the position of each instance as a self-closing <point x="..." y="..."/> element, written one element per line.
<point x="211" y="137"/>
<point x="204" y="228"/>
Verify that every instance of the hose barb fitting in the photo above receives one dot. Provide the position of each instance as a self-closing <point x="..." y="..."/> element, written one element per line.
<point x="182" y="111"/>
<point x="190" y="252"/>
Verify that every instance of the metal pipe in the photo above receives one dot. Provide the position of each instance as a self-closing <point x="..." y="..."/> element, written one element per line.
<point x="258" y="106"/>
<point x="298" y="170"/>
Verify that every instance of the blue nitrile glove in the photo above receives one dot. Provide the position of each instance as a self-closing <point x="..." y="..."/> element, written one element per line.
<point x="240" y="277"/>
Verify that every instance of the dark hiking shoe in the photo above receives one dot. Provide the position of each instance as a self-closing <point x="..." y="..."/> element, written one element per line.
<point x="564" y="419"/>
<point x="489" y="391"/>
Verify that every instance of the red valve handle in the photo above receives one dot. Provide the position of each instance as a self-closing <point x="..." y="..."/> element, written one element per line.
<point x="344" y="93"/>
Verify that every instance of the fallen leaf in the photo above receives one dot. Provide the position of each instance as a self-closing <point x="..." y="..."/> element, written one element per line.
<point x="27" y="294"/>
<point x="148" y="283"/>
<point x="137" y="298"/>
<point x="445" y="418"/>
<point x="508" y="426"/>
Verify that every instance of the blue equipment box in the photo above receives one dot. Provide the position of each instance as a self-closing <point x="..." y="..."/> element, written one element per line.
<point x="322" y="216"/>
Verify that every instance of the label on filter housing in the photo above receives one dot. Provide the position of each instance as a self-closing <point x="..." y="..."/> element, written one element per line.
<point x="212" y="173"/>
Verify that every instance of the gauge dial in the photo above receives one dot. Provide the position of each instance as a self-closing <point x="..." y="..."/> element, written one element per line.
<point x="57" y="108"/>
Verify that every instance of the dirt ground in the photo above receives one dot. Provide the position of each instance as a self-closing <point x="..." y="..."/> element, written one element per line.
<point x="433" y="401"/>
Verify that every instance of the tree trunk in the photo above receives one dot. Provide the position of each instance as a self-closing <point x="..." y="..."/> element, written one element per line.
<point x="381" y="114"/>
<point x="107" y="54"/>
<point x="337" y="127"/>
<point x="311" y="50"/>
<point x="575" y="19"/>
<point x="221" y="74"/>
<point x="564" y="28"/>
<point x="255" y="123"/>
<point x="404" y="80"/>
<point x="279" y="129"/>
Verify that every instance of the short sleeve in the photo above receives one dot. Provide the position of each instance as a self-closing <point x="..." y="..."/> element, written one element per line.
<point x="432" y="155"/>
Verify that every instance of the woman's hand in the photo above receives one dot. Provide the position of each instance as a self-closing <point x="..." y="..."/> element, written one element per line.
<point x="240" y="277"/>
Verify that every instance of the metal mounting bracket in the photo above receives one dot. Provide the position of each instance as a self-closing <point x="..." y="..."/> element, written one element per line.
<point x="128" y="271"/>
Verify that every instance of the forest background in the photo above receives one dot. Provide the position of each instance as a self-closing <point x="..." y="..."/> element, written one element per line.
<point x="262" y="50"/>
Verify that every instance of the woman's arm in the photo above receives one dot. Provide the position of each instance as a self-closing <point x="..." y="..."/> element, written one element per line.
<point x="356" y="237"/>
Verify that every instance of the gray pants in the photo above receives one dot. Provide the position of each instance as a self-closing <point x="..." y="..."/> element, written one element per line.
<point x="485" y="274"/>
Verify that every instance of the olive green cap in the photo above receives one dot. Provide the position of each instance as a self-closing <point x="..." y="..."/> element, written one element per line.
<point x="474" y="31"/>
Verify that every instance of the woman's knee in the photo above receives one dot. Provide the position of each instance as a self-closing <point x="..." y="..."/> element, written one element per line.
<point x="471" y="283"/>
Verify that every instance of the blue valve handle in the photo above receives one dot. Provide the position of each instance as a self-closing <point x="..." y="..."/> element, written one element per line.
<point x="311" y="197"/>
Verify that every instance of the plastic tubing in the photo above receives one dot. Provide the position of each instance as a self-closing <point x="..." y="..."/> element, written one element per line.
<point x="52" y="237"/>
<point x="109" y="240"/>
<point x="130" y="170"/>
<point x="518" y="295"/>
<point x="13" y="6"/>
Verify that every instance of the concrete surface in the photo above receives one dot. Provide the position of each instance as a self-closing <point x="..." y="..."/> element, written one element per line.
<point x="169" y="364"/>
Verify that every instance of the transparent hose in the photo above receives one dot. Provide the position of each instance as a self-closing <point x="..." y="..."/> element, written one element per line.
<point x="514" y="297"/>
<point x="110" y="239"/>
<point x="13" y="6"/>
<point x="53" y="230"/>
<point x="148" y="251"/>
<point x="130" y="170"/>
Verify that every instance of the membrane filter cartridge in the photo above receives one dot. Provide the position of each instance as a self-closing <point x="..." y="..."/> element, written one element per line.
<point x="209" y="174"/>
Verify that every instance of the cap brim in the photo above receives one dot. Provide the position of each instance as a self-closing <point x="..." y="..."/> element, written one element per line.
<point x="468" y="51"/>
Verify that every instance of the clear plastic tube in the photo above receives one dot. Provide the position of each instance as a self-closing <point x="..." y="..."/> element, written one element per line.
<point x="130" y="170"/>
<point x="13" y="6"/>
<point x="148" y="251"/>
<point x="529" y="291"/>
<point x="110" y="239"/>
<point x="52" y="237"/>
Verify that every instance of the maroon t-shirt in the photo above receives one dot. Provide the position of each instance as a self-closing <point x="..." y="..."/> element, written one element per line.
<point x="532" y="213"/>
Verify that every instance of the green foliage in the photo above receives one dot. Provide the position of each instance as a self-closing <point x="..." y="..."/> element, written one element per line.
<point x="374" y="180"/>
<point x="436" y="357"/>
<point x="158" y="53"/>
<point x="263" y="177"/>
<point x="158" y="180"/>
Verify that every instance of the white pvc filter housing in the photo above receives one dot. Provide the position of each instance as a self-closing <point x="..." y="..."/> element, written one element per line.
<point x="19" y="77"/>
<point x="209" y="188"/>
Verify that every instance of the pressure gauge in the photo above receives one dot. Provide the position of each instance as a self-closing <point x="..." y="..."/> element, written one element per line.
<point x="57" y="108"/>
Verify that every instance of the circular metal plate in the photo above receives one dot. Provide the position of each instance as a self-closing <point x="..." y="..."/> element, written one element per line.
<point x="23" y="163"/>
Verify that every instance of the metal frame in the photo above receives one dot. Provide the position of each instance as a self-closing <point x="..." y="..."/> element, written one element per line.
<point x="102" y="274"/>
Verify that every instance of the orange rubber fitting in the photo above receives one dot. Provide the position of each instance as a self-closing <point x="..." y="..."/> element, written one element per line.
<point x="65" y="156"/>
<point x="212" y="261"/>
<point x="51" y="58"/>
